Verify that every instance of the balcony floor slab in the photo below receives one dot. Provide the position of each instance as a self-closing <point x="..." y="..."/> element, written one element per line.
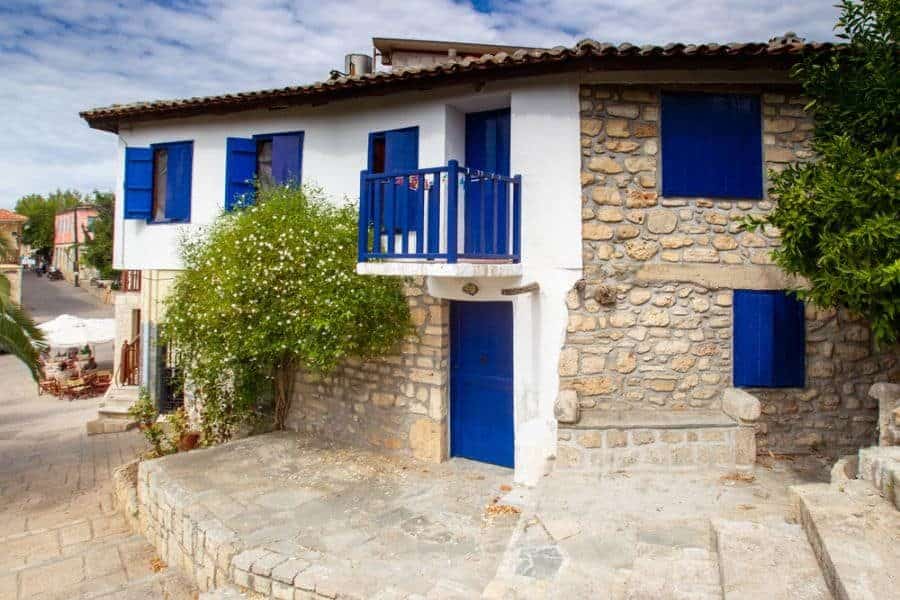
<point x="440" y="269"/>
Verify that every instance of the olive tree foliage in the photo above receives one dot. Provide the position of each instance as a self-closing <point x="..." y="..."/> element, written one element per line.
<point x="839" y="215"/>
<point x="270" y="289"/>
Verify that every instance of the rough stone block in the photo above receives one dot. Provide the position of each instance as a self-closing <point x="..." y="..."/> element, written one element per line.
<point x="740" y="405"/>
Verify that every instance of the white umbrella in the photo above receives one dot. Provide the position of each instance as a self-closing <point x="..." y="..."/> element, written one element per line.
<point x="68" y="330"/>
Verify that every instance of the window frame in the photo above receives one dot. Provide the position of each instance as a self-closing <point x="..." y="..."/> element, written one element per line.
<point x="760" y="146"/>
<point x="160" y="146"/>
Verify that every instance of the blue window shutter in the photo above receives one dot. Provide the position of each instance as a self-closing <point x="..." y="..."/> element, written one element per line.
<point x="138" y="183"/>
<point x="711" y="146"/>
<point x="240" y="169"/>
<point x="401" y="153"/>
<point x="178" y="182"/>
<point x="287" y="157"/>
<point x="769" y="339"/>
<point x="790" y="336"/>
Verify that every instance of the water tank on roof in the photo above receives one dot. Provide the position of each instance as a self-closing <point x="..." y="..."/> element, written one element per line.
<point x="357" y="64"/>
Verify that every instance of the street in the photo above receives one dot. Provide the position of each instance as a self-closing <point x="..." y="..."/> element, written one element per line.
<point x="60" y="535"/>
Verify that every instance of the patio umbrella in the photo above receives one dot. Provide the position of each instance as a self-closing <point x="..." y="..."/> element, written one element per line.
<point x="67" y="331"/>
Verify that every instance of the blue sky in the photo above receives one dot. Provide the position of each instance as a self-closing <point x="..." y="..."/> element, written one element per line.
<point x="59" y="57"/>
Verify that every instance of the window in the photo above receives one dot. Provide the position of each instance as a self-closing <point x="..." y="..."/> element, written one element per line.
<point x="769" y="339"/>
<point x="158" y="182"/>
<point x="272" y="159"/>
<point x="711" y="146"/>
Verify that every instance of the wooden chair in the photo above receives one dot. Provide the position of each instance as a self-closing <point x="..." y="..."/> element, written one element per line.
<point x="99" y="382"/>
<point x="50" y="386"/>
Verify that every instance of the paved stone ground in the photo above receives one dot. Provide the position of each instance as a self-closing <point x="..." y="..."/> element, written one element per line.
<point x="645" y="534"/>
<point x="60" y="536"/>
<point x="314" y="516"/>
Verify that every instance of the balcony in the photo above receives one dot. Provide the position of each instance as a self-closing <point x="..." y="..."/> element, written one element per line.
<point x="441" y="221"/>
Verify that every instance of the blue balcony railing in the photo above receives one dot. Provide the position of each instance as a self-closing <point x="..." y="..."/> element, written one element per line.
<point x="448" y="213"/>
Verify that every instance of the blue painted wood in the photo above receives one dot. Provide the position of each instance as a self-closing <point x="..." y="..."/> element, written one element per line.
<point x="517" y="218"/>
<point x="362" y="240"/>
<point x="481" y="382"/>
<point x="138" y="203"/>
<point x="769" y="339"/>
<point x="240" y="169"/>
<point x="452" y="210"/>
<point x="711" y="145"/>
<point x="178" y="181"/>
<point x="287" y="157"/>
<point x="434" y="215"/>
<point x="487" y="149"/>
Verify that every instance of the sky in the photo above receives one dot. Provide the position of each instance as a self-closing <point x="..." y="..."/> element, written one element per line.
<point x="60" y="57"/>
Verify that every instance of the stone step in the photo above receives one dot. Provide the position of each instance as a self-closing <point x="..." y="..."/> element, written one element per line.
<point x="767" y="560"/>
<point x="107" y="425"/>
<point x="855" y="534"/>
<point x="880" y="465"/>
<point x="126" y="394"/>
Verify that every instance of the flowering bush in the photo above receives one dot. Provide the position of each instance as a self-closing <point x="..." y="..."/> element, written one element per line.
<point x="270" y="289"/>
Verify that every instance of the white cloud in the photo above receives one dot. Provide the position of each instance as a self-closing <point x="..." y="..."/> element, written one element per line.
<point x="61" y="57"/>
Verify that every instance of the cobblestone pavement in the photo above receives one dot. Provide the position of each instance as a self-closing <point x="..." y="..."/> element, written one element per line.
<point x="60" y="536"/>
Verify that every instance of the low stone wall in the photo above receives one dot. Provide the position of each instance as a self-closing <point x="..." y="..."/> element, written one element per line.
<point x="397" y="403"/>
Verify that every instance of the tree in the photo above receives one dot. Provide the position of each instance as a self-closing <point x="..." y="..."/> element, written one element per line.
<point x="97" y="250"/>
<point x="41" y="212"/>
<point x="839" y="216"/>
<point x="270" y="289"/>
<point x="18" y="333"/>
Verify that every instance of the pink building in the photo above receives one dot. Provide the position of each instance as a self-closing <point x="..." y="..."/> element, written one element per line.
<point x="71" y="227"/>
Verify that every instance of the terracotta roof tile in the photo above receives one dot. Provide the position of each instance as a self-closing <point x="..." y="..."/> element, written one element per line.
<point x="784" y="50"/>
<point x="7" y="216"/>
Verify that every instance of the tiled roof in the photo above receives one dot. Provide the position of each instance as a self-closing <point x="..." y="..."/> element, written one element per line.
<point x="7" y="216"/>
<point x="782" y="51"/>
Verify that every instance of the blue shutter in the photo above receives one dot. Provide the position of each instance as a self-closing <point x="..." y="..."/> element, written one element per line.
<point x="178" y="181"/>
<point x="769" y="339"/>
<point x="287" y="157"/>
<point x="711" y="146"/>
<point x="401" y="153"/>
<point x="138" y="183"/>
<point x="240" y="169"/>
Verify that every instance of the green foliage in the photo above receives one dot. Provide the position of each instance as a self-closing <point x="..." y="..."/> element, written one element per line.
<point x="97" y="250"/>
<point x="18" y="333"/>
<point x="145" y="413"/>
<point x="267" y="290"/>
<point x="839" y="216"/>
<point x="41" y="212"/>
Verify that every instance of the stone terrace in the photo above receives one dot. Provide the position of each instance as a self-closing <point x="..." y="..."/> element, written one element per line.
<point x="290" y="518"/>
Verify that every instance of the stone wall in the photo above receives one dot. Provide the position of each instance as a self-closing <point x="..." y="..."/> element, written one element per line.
<point x="14" y="273"/>
<point x="395" y="403"/>
<point x="650" y="324"/>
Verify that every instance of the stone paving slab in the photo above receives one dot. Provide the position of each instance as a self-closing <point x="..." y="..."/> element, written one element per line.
<point x="288" y="514"/>
<point x="635" y="534"/>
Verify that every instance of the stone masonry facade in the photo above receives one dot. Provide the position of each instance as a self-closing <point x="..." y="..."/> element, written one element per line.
<point x="650" y="324"/>
<point x="397" y="403"/>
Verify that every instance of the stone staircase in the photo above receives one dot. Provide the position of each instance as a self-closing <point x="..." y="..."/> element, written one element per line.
<point x="853" y="524"/>
<point x="112" y="414"/>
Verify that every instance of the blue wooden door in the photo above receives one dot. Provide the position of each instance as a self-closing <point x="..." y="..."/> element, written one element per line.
<point x="487" y="205"/>
<point x="481" y="381"/>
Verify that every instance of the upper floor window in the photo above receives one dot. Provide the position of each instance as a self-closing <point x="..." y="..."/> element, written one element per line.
<point x="769" y="339"/>
<point x="158" y="182"/>
<point x="271" y="159"/>
<point x="711" y="145"/>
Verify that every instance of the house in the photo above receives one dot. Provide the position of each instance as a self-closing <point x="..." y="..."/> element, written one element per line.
<point x="71" y="229"/>
<point x="11" y="227"/>
<point x="568" y="221"/>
